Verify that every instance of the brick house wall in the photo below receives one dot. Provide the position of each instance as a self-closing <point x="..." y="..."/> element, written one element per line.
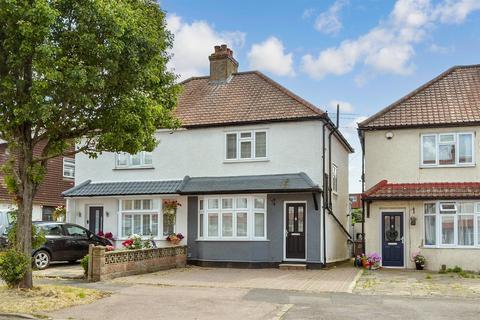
<point x="50" y="191"/>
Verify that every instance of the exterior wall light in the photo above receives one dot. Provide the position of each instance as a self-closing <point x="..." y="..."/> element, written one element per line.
<point x="389" y="135"/>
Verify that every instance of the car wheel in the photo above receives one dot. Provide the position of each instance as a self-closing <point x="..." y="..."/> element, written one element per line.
<point x="41" y="259"/>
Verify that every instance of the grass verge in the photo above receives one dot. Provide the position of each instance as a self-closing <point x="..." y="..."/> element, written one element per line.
<point x="45" y="298"/>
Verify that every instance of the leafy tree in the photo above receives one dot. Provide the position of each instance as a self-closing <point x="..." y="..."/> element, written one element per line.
<point x="85" y="72"/>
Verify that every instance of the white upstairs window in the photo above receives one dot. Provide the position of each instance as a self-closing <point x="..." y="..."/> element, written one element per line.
<point x="126" y="160"/>
<point x="246" y="145"/>
<point x="447" y="149"/>
<point x="68" y="168"/>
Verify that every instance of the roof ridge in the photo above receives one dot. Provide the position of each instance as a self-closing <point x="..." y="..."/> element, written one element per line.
<point x="136" y="181"/>
<point x="409" y="95"/>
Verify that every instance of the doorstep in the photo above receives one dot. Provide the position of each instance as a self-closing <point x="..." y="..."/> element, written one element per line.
<point x="292" y="266"/>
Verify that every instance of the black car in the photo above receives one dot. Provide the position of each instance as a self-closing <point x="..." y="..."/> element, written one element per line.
<point x="65" y="242"/>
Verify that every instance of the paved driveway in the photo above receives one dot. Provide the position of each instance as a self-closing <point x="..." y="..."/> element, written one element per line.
<point x="337" y="279"/>
<point x="61" y="270"/>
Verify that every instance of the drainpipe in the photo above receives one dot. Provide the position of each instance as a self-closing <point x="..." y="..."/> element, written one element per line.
<point x="324" y="204"/>
<point x="362" y="142"/>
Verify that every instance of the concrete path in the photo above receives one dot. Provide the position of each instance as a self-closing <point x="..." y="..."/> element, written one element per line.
<point x="336" y="279"/>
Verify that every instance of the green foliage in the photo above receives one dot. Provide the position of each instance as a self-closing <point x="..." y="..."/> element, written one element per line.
<point x="38" y="236"/>
<point x="84" y="264"/>
<point x="60" y="213"/>
<point x="356" y="216"/>
<point x="13" y="266"/>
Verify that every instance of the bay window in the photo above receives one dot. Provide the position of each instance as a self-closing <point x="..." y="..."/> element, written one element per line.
<point x="452" y="224"/>
<point x="232" y="218"/>
<point x="246" y="145"/>
<point x="447" y="149"/>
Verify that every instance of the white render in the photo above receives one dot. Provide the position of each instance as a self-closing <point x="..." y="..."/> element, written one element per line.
<point x="292" y="147"/>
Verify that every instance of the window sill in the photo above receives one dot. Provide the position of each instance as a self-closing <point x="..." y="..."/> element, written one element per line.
<point x="134" y="168"/>
<point x="448" y="166"/>
<point x="452" y="247"/>
<point x="232" y="240"/>
<point x="246" y="160"/>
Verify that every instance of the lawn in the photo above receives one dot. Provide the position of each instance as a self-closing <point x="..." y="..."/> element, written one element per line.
<point x="45" y="298"/>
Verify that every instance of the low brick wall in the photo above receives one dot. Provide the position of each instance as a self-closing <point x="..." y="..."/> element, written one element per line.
<point x="108" y="265"/>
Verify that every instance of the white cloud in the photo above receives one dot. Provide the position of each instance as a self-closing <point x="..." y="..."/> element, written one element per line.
<point x="270" y="56"/>
<point x="194" y="42"/>
<point x="456" y="11"/>
<point x="328" y="22"/>
<point x="344" y="106"/>
<point x="436" y="48"/>
<point x="389" y="47"/>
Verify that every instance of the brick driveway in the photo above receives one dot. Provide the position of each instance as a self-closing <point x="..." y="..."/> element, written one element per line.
<point x="335" y="279"/>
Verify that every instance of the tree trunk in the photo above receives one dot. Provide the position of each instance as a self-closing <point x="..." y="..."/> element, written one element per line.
<point x="25" y="193"/>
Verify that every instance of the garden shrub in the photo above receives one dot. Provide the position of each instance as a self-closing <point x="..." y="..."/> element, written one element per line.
<point x="84" y="264"/>
<point x="13" y="266"/>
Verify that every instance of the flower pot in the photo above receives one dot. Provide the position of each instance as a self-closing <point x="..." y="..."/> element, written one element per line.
<point x="175" y="241"/>
<point x="419" y="265"/>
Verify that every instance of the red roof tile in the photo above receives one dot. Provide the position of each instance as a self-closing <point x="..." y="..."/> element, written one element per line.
<point x="423" y="191"/>
<point x="452" y="98"/>
<point x="246" y="97"/>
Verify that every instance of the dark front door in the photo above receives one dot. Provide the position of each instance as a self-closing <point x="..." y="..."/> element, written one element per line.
<point x="95" y="220"/>
<point x="392" y="239"/>
<point x="295" y="225"/>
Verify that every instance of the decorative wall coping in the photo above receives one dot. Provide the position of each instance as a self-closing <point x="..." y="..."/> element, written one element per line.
<point x="113" y="264"/>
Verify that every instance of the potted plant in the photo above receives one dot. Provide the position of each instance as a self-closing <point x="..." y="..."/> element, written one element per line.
<point x="133" y="242"/>
<point x="175" y="238"/>
<point x="419" y="261"/>
<point x="170" y="210"/>
<point x="374" y="260"/>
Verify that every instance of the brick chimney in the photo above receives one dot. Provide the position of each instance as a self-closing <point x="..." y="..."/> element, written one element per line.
<point x="222" y="63"/>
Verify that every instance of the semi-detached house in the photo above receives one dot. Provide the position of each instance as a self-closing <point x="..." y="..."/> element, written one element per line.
<point x="260" y="173"/>
<point x="422" y="177"/>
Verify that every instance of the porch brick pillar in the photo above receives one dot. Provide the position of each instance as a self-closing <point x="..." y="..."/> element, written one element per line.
<point x="96" y="268"/>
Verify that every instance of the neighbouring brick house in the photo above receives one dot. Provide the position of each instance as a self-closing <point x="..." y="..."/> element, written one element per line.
<point x="60" y="177"/>
<point x="421" y="174"/>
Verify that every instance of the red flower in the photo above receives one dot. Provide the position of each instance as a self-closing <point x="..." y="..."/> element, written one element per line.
<point x="100" y="234"/>
<point x="127" y="243"/>
<point x="180" y="236"/>
<point x="109" y="235"/>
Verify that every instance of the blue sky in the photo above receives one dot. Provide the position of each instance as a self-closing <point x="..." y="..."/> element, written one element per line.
<point x="364" y="54"/>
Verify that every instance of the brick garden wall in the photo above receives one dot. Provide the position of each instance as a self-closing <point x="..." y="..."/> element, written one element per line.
<point x="108" y="265"/>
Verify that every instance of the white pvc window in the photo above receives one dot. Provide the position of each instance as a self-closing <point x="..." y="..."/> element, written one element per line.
<point x="452" y="224"/>
<point x="68" y="168"/>
<point x="246" y="145"/>
<point x="126" y="160"/>
<point x="138" y="216"/>
<point x="232" y="218"/>
<point x="334" y="178"/>
<point x="447" y="149"/>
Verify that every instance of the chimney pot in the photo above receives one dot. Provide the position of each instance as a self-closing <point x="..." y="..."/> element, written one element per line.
<point x="222" y="63"/>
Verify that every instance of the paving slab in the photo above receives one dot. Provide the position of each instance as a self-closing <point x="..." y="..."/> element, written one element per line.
<point x="335" y="279"/>
<point x="405" y="282"/>
<point x="61" y="270"/>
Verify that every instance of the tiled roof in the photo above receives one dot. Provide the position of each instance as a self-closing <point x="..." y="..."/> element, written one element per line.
<point x="423" y="191"/>
<point x="452" y="98"/>
<point x="296" y="182"/>
<point x="91" y="189"/>
<point x="244" y="98"/>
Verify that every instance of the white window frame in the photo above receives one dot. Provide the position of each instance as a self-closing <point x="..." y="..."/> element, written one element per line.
<point x="250" y="211"/>
<point x="129" y="160"/>
<point x="456" y="214"/>
<point x="251" y="139"/>
<point x="334" y="178"/>
<point x="437" y="150"/>
<point x="67" y="164"/>
<point x="152" y="211"/>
